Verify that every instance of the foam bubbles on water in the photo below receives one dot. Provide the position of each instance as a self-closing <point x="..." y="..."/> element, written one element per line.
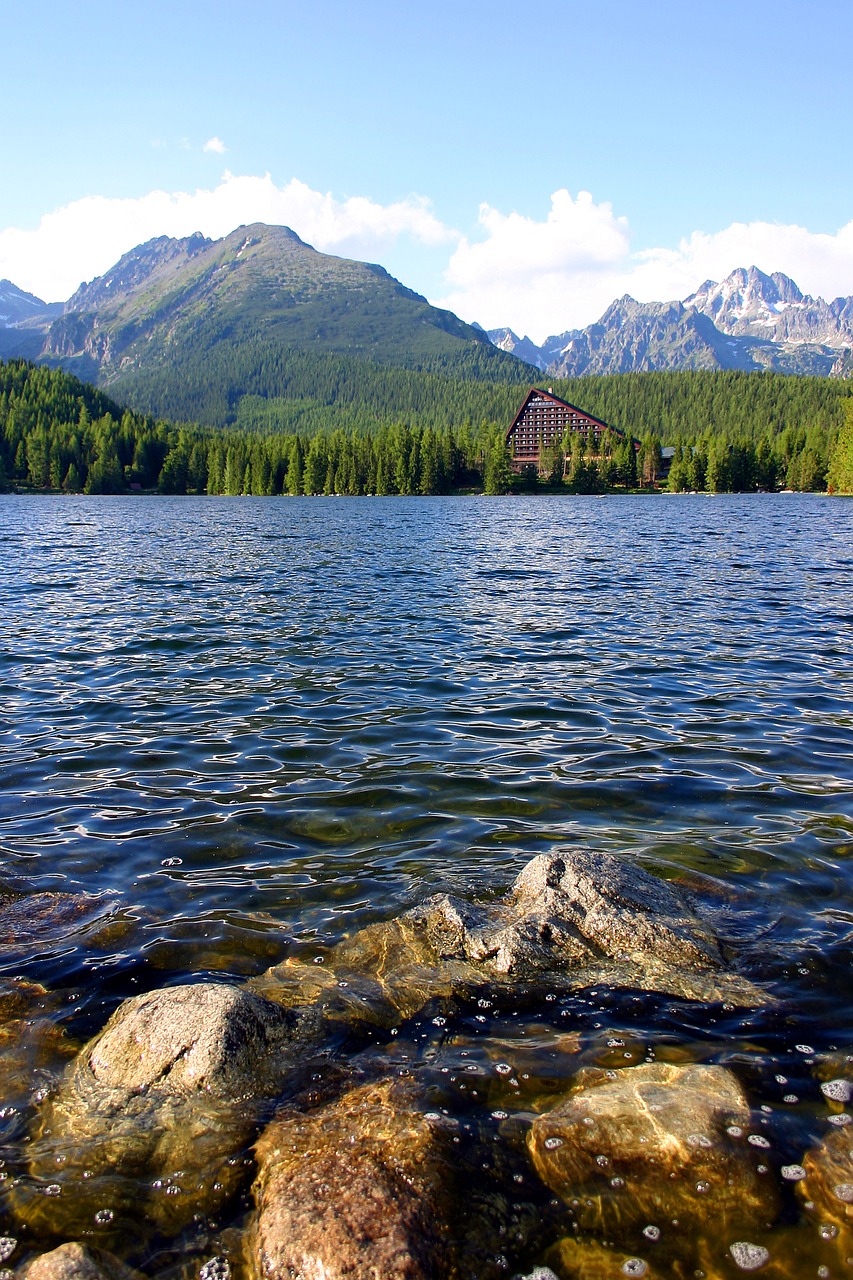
<point x="749" y="1257"/>
<point x="793" y="1172"/>
<point x="651" y="1233"/>
<point x="634" y="1267"/>
<point x="837" y="1090"/>
<point x="8" y="1245"/>
<point x="217" y="1268"/>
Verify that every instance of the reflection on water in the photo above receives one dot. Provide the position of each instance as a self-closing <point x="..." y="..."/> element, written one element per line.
<point x="244" y="728"/>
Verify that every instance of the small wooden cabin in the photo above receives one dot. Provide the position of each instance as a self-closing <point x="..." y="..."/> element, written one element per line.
<point x="543" y="419"/>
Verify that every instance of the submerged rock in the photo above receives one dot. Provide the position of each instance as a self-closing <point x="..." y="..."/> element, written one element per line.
<point x="571" y="919"/>
<point x="161" y="1099"/>
<point x="828" y="1182"/>
<point x="28" y="918"/>
<point x="650" y="1144"/>
<point x="77" y="1262"/>
<point x="589" y="1260"/>
<point x="355" y="1189"/>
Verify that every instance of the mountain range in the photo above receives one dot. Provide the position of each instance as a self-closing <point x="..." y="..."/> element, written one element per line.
<point x="245" y="328"/>
<point x="749" y="321"/>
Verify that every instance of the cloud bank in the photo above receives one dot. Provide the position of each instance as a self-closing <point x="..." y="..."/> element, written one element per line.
<point x="85" y="238"/>
<point x="543" y="277"/>
<point x="539" y="276"/>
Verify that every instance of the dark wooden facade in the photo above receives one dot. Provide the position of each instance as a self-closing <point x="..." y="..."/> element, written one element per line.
<point x="543" y="419"/>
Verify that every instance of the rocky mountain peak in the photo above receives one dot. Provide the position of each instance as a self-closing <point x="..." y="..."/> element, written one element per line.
<point x="746" y="296"/>
<point x="749" y="320"/>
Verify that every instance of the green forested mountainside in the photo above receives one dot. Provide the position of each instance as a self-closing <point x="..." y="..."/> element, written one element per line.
<point x="171" y="306"/>
<point x="684" y="406"/>
<point x="731" y="431"/>
<point x="263" y="386"/>
<point x="306" y="391"/>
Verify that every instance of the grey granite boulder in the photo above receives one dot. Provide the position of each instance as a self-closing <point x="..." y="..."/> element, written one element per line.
<point x="152" y="1111"/>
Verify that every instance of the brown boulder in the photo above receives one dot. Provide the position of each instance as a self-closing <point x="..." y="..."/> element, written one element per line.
<point x="356" y="1189"/>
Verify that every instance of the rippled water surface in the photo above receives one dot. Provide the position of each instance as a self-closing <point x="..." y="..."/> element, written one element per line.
<point x="239" y="729"/>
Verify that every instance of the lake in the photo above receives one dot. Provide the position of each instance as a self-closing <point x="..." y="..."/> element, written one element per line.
<point x="241" y="729"/>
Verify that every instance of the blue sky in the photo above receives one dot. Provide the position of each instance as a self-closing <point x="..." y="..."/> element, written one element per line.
<point x="524" y="165"/>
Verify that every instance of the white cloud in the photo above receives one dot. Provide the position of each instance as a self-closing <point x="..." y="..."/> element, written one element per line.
<point x="532" y="274"/>
<point x="821" y="264"/>
<point x="544" y="277"/>
<point x="539" y="277"/>
<point x="215" y="144"/>
<point x="85" y="238"/>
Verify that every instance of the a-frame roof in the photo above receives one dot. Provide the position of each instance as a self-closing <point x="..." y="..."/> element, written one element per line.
<point x="573" y="408"/>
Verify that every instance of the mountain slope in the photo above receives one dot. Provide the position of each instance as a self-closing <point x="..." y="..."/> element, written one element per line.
<point x="168" y="304"/>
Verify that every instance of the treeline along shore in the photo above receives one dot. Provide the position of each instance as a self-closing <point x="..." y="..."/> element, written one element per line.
<point x="731" y="432"/>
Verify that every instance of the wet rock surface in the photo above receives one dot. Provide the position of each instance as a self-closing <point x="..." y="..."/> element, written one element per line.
<point x="165" y="1095"/>
<point x="28" y="919"/>
<point x="571" y="919"/>
<point x="650" y="1144"/>
<point x="408" y="1141"/>
<point x="828" y="1182"/>
<point x="77" y="1262"/>
<point x="358" y="1188"/>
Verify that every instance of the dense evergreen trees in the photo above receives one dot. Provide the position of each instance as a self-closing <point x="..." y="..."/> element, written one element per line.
<point x="840" y="476"/>
<point x="736" y="432"/>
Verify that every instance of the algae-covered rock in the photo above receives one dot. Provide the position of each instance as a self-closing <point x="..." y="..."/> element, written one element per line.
<point x="77" y="1262"/>
<point x="355" y="1189"/>
<point x="650" y="1144"/>
<point x="383" y="974"/>
<point x="154" y="1108"/>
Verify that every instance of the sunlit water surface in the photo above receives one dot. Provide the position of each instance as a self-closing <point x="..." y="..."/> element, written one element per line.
<point x="247" y="727"/>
